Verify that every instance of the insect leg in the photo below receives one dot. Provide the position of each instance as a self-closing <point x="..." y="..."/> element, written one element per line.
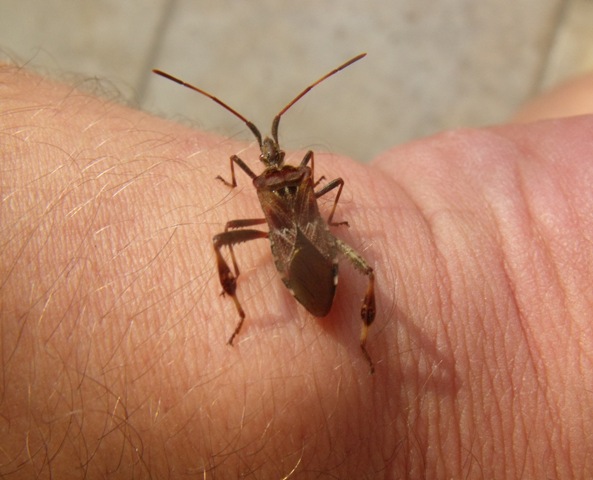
<point x="228" y="280"/>
<point x="247" y="222"/>
<point x="339" y="183"/>
<point x="319" y="180"/>
<point x="233" y="183"/>
<point x="367" y="312"/>
<point x="309" y="157"/>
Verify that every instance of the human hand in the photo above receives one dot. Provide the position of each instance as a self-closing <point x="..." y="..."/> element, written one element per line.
<point x="114" y="355"/>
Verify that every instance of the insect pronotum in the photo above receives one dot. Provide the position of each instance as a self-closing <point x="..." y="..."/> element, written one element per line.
<point x="305" y="251"/>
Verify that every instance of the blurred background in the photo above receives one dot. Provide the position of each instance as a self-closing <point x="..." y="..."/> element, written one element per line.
<point x="432" y="64"/>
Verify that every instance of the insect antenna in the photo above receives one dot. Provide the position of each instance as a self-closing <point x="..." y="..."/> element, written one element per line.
<point x="306" y="90"/>
<point x="251" y="126"/>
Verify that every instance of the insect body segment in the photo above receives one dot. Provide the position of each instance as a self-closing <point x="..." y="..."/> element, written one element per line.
<point x="305" y="251"/>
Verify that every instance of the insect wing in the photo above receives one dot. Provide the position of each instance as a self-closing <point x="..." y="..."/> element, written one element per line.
<point x="311" y="277"/>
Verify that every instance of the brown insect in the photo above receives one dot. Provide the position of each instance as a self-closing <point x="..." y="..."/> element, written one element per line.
<point x="305" y="251"/>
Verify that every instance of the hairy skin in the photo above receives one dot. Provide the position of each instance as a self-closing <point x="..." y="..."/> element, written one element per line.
<point x="113" y="335"/>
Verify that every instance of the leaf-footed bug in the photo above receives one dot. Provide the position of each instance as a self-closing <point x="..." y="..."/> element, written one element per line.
<point x="305" y="251"/>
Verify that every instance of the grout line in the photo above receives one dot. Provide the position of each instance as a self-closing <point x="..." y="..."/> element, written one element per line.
<point x="154" y="50"/>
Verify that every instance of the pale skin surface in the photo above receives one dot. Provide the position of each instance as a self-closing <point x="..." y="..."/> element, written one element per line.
<point x="113" y="335"/>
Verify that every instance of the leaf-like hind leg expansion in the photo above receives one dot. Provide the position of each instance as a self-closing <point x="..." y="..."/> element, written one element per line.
<point x="368" y="310"/>
<point x="228" y="279"/>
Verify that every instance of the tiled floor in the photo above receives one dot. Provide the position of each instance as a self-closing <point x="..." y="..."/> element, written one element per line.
<point x="432" y="65"/>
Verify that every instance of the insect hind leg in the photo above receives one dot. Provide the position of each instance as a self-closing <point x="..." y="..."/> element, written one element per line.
<point x="368" y="309"/>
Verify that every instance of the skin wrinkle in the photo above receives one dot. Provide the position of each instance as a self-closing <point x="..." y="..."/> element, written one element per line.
<point x="535" y="353"/>
<point x="518" y="456"/>
<point x="442" y="255"/>
<point x="499" y="361"/>
<point x="556" y="224"/>
<point x="507" y="361"/>
<point x="561" y="344"/>
<point x="463" y="252"/>
<point x="556" y="251"/>
<point x="437" y="262"/>
<point x="450" y="436"/>
<point x="553" y="398"/>
<point x="498" y="416"/>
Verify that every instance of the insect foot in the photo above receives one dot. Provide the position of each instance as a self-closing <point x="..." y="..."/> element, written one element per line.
<point x="367" y="313"/>
<point x="305" y="251"/>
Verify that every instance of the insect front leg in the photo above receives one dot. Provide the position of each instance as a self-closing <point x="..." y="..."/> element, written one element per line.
<point x="233" y="183"/>
<point x="368" y="310"/>
<point x="228" y="279"/>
